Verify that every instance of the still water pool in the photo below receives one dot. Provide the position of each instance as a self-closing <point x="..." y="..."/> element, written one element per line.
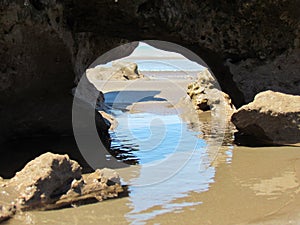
<point x="169" y="157"/>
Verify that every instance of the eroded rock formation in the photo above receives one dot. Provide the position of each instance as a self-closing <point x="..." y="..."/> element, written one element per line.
<point x="53" y="181"/>
<point x="45" y="47"/>
<point x="6" y="213"/>
<point x="118" y="71"/>
<point x="206" y="95"/>
<point x="273" y="118"/>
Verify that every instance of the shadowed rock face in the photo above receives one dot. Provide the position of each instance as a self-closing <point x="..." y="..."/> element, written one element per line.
<point x="46" y="45"/>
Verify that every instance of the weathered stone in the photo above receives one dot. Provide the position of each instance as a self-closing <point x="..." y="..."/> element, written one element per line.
<point x="273" y="118"/>
<point x="206" y="95"/>
<point x="6" y="212"/>
<point x="247" y="51"/>
<point x="109" y="119"/>
<point x="110" y="174"/>
<point x="94" y="187"/>
<point x="53" y="181"/>
<point x="280" y="75"/>
<point x="43" y="179"/>
<point x="118" y="71"/>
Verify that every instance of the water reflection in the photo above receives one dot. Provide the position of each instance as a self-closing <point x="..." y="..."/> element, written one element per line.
<point x="170" y="157"/>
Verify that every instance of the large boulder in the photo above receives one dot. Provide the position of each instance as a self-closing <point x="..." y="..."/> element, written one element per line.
<point x="53" y="181"/>
<point x="118" y="71"/>
<point x="273" y="118"/>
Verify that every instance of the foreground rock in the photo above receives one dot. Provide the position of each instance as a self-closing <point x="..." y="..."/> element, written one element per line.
<point x="206" y="95"/>
<point x="53" y="181"/>
<point x="118" y="71"/>
<point x="6" y="212"/>
<point x="273" y="118"/>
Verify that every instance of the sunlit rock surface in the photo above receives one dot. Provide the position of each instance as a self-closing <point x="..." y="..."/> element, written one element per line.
<point x="206" y="95"/>
<point x="118" y="71"/>
<point x="54" y="181"/>
<point x="6" y="213"/>
<point x="272" y="118"/>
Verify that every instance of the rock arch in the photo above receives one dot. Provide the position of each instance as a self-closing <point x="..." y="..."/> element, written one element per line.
<point x="46" y="45"/>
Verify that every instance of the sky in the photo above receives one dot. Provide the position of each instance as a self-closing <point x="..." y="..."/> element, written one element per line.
<point x="146" y="51"/>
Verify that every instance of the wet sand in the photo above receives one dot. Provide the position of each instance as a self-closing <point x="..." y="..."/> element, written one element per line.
<point x="259" y="186"/>
<point x="250" y="185"/>
<point x="143" y="90"/>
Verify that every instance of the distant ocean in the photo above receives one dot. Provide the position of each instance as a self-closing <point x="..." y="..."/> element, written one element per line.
<point x="164" y="64"/>
<point x="168" y="65"/>
<point x="159" y="64"/>
<point x="162" y="68"/>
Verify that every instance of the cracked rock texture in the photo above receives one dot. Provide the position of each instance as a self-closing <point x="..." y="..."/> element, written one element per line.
<point x="53" y="181"/>
<point x="206" y="95"/>
<point x="46" y="45"/>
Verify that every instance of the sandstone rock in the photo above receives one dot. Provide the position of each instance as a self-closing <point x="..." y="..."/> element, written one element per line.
<point x="109" y="119"/>
<point x="69" y="36"/>
<point x="278" y="75"/>
<point x="6" y="212"/>
<point x="205" y="94"/>
<point x="273" y="118"/>
<point x="45" y="178"/>
<point x="118" y="71"/>
<point x="98" y="186"/>
<point x="110" y="174"/>
<point x="128" y="70"/>
<point x="53" y="181"/>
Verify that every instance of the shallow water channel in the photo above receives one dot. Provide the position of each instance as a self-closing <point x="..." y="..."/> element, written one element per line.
<point x="169" y="157"/>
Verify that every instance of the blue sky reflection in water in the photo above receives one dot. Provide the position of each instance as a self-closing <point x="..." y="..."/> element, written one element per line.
<point x="169" y="154"/>
<point x="173" y="152"/>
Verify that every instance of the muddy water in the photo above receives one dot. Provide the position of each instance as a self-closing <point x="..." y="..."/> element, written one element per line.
<point x="258" y="186"/>
<point x="172" y="180"/>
